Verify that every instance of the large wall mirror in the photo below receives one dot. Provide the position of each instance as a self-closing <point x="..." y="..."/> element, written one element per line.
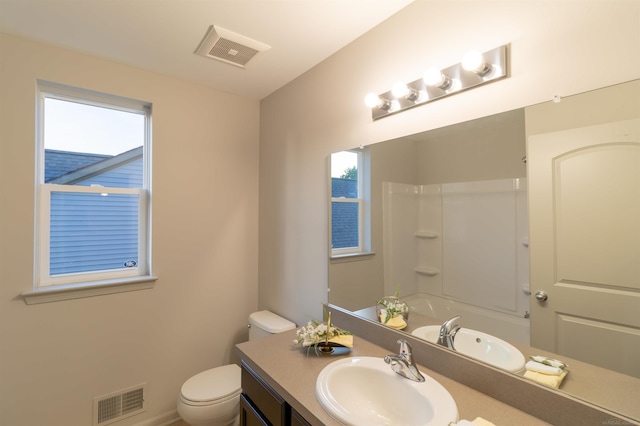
<point x="526" y="224"/>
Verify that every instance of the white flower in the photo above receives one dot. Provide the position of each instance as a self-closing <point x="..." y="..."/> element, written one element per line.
<point x="315" y="332"/>
<point x="390" y="307"/>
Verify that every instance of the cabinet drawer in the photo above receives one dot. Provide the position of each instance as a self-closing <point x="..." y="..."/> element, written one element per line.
<point x="271" y="405"/>
<point x="297" y="419"/>
<point x="249" y="415"/>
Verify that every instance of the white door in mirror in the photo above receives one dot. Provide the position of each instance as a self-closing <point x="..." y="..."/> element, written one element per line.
<point x="585" y="241"/>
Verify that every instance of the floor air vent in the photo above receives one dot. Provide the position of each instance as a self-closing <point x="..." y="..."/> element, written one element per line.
<point x="118" y="405"/>
<point x="229" y="47"/>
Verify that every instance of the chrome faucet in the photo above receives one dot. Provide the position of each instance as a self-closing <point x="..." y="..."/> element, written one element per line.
<point x="403" y="363"/>
<point x="448" y="332"/>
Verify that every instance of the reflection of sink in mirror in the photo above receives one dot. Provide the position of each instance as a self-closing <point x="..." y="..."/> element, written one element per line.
<point x="480" y="346"/>
<point x="508" y="327"/>
<point x="364" y="391"/>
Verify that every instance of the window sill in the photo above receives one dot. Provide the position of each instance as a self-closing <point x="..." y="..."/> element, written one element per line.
<point x="89" y="289"/>
<point x="351" y="257"/>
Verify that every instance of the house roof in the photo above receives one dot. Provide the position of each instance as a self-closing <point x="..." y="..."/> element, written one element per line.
<point x="66" y="167"/>
<point x="58" y="163"/>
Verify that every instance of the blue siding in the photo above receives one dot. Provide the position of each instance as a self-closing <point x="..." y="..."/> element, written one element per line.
<point x="127" y="176"/>
<point x="91" y="232"/>
<point x="344" y="216"/>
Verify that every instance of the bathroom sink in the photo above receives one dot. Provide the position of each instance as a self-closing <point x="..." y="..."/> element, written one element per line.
<point x="478" y="345"/>
<point x="364" y="391"/>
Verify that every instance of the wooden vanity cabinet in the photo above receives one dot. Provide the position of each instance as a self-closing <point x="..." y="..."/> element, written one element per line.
<point x="260" y="405"/>
<point x="297" y="419"/>
<point x="249" y="415"/>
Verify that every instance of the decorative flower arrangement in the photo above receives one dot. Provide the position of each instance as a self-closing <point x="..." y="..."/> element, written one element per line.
<point x="392" y="311"/>
<point x="322" y="336"/>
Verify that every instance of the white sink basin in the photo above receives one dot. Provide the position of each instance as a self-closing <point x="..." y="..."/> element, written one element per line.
<point x="478" y="345"/>
<point x="364" y="391"/>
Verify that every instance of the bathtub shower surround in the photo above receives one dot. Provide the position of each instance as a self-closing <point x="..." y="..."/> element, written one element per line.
<point x="464" y="248"/>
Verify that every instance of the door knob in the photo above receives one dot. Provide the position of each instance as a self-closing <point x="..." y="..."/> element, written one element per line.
<point x="541" y="296"/>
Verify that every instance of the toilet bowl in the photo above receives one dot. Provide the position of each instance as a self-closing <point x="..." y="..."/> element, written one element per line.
<point x="212" y="397"/>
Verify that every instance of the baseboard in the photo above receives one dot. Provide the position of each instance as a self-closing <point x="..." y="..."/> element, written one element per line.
<point x="164" y="419"/>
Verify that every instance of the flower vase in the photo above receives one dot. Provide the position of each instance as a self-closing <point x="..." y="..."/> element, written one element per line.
<point x="391" y="307"/>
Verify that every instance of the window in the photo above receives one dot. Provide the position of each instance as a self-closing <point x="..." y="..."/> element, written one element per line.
<point x="92" y="187"/>
<point x="349" y="208"/>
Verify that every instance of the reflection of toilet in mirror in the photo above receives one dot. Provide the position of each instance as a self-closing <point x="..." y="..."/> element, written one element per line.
<point x="212" y="397"/>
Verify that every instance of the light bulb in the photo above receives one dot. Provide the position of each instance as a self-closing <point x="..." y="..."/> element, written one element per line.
<point x="432" y="77"/>
<point x="400" y="90"/>
<point x="474" y="62"/>
<point x="372" y="100"/>
<point x="435" y="78"/>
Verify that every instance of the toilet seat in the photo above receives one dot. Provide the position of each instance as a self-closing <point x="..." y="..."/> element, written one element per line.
<point x="212" y="386"/>
<point x="186" y="401"/>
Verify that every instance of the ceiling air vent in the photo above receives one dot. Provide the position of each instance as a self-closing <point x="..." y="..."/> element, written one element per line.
<point x="229" y="47"/>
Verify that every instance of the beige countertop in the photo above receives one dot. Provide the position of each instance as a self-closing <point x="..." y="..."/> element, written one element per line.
<point x="291" y="371"/>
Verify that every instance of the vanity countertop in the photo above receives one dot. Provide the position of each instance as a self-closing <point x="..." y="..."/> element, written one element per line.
<point x="292" y="373"/>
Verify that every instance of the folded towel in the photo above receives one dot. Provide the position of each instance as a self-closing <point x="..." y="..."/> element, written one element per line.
<point x="343" y="339"/>
<point x="553" y="381"/>
<point x="397" y="322"/>
<point x="539" y="367"/>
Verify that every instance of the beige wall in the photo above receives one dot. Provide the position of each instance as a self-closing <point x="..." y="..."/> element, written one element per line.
<point x="557" y="48"/>
<point x="55" y="357"/>
<point x="483" y="149"/>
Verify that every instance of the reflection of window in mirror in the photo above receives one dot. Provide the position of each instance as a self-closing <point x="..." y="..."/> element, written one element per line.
<point x="349" y="203"/>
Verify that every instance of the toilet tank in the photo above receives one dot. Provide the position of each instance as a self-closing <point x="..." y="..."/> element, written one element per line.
<point x="264" y="323"/>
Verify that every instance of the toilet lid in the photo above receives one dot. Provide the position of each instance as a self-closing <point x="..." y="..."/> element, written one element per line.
<point x="213" y="384"/>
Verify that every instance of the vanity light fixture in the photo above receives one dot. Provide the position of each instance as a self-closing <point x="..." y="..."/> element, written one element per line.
<point x="474" y="70"/>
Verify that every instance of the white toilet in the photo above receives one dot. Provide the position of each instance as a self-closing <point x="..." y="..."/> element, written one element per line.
<point x="212" y="398"/>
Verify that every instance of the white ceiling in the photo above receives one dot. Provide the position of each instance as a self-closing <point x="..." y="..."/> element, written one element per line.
<point x="161" y="35"/>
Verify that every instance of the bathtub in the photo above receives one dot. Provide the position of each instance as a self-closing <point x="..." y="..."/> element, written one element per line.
<point x="511" y="328"/>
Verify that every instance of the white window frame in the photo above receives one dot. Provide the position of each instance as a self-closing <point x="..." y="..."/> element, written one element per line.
<point x="363" y="202"/>
<point x="68" y="286"/>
